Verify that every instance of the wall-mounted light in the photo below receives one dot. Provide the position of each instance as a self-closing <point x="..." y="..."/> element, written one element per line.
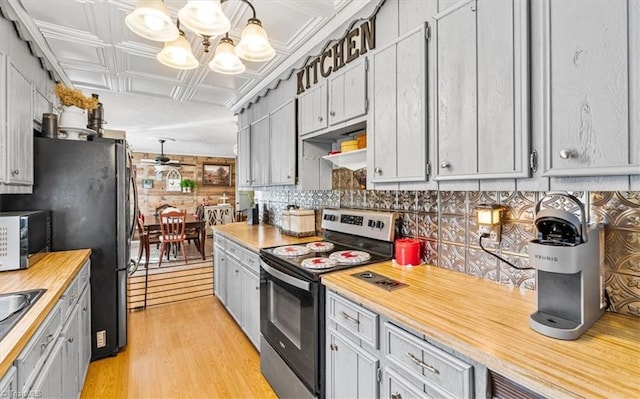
<point x="489" y="220"/>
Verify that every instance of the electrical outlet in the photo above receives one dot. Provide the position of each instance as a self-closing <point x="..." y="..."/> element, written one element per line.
<point x="492" y="231"/>
<point x="101" y="339"/>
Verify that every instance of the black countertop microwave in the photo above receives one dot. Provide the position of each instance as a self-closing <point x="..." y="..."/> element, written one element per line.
<point x="25" y="237"/>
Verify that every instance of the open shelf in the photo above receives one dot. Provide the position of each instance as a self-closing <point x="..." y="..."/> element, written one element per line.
<point x="352" y="160"/>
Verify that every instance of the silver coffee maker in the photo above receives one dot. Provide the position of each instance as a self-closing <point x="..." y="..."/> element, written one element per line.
<point x="568" y="256"/>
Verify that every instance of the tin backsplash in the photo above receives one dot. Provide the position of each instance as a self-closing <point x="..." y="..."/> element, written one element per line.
<point x="445" y="222"/>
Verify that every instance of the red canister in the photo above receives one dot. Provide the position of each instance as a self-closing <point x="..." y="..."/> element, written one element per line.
<point x="408" y="251"/>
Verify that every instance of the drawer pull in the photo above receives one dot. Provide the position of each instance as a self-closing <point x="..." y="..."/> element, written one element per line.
<point x="346" y="316"/>
<point x="70" y="339"/>
<point x="45" y="344"/>
<point x="422" y="364"/>
<point x="396" y="395"/>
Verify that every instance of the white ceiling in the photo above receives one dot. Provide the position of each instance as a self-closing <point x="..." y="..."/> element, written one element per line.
<point x="95" y="51"/>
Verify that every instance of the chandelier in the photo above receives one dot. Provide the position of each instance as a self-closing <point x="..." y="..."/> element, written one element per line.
<point x="151" y="20"/>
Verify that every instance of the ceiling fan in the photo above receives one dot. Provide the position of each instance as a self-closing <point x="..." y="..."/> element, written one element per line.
<point x="163" y="162"/>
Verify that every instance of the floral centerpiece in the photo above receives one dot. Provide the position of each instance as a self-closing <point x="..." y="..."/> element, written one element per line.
<point x="73" y="97"/>
<point x="74" y="107"/>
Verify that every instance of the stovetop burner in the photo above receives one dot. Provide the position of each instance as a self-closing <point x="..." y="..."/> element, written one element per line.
<point x="320" y="246"/>
<point x="350" y="238"/>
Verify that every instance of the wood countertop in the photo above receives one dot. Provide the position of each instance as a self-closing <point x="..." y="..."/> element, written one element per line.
<point x="54" y="272"/>
<point x="489" y="323"/>
<point x="258" y="236"/>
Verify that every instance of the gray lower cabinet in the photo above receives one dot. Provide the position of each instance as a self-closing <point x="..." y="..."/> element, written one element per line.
<point x="591" y="87"/>
<point x="250" y="275"/>
<point x="353" y="362"/>
<point x="432" y="371"/>
<point x="237" y="284"/>
<point x="220" y="271"/>
<point x="399" y="118"/>
<point x="371" y="356"/>
<point x="84" y="350"/>
<point x="234" y="288"/>
<point x="71" y="355"/>
<point x="481" y="90"/>
<point x="54" y="362"/>
<point x="352" y="372"/>
<point x="9" y="383"/>
<point x="49" y="383"/>
<point x="397" y="387"/>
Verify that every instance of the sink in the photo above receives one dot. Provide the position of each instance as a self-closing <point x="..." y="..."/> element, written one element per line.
<point x="13" y="306"/>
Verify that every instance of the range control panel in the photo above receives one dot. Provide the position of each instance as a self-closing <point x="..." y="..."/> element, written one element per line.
<point x="377" y="225"/>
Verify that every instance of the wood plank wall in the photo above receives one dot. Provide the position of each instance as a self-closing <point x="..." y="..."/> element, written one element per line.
<point x="150" y="198"/>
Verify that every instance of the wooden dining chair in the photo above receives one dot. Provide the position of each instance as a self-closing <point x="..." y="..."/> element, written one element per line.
<point x="172" y="226"/>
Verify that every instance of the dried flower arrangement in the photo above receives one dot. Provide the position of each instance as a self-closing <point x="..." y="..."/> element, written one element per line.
<point x="69" y="97"/>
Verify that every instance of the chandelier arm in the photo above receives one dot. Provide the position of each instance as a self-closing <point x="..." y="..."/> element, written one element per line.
<point x="248" y="3"/>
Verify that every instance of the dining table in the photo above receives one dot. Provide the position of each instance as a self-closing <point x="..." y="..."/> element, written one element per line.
<point x="153" y="229"/>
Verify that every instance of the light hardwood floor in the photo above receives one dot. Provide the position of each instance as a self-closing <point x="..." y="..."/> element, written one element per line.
<point x="190" y="349"/>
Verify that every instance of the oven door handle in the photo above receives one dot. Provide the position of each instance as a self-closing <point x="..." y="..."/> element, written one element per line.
<point x="303" y="285"/>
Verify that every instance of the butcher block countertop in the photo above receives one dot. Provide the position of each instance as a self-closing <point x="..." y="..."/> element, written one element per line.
<point x="489" y="323"/>
<point x="258" y="236"/>
<point x="54" y="272"/>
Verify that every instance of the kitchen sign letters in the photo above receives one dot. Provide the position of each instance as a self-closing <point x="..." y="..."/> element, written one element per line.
<point x="355" y="42"/>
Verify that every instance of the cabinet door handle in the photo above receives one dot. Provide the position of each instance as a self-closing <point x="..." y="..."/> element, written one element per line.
<point x="319" y="119"/>
<point x="396" y="395"/>
<point x="70" y="340"/>
<point x="332" y="113"/>
<point x="350" y="318"/>
<point x="566" y="154"/>
<point x="45" y="344"/>
<point x="378" y="171"/>
<point x="15" y="172"/>
<point x="444" y="164"/>
<point x="422" y="364"/>
<point x="334" y="347"/>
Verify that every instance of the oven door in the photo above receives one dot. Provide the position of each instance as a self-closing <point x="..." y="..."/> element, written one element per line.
<point x="290" y="319"/>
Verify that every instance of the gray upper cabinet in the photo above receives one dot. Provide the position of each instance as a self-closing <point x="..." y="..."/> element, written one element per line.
<point x="312" y="110"/>
<point x="398" y="121"/>
<point x="591" y="87"/>
<point x="481" y="91"/>
<point x="17" y="168"/>
<point x="244" y="158"/>
<point x="348" y="92"/>
<point x="260" y="152"/>
<point x="283" y="144"/>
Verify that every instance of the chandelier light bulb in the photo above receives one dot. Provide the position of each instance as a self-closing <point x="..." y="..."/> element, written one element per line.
<point x="204" y="17"/>
<point x="151" y="20"/>
<point x="225" y="59"/>
<point x="254" y="44"/>
<point x="177" y="54"/>
<point x="153" y="23"/>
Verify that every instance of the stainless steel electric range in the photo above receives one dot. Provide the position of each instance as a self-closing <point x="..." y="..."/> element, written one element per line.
<point x="292" y="319"/>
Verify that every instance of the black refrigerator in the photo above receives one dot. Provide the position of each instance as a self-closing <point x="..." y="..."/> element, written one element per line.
<point x="88" y="187"/>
